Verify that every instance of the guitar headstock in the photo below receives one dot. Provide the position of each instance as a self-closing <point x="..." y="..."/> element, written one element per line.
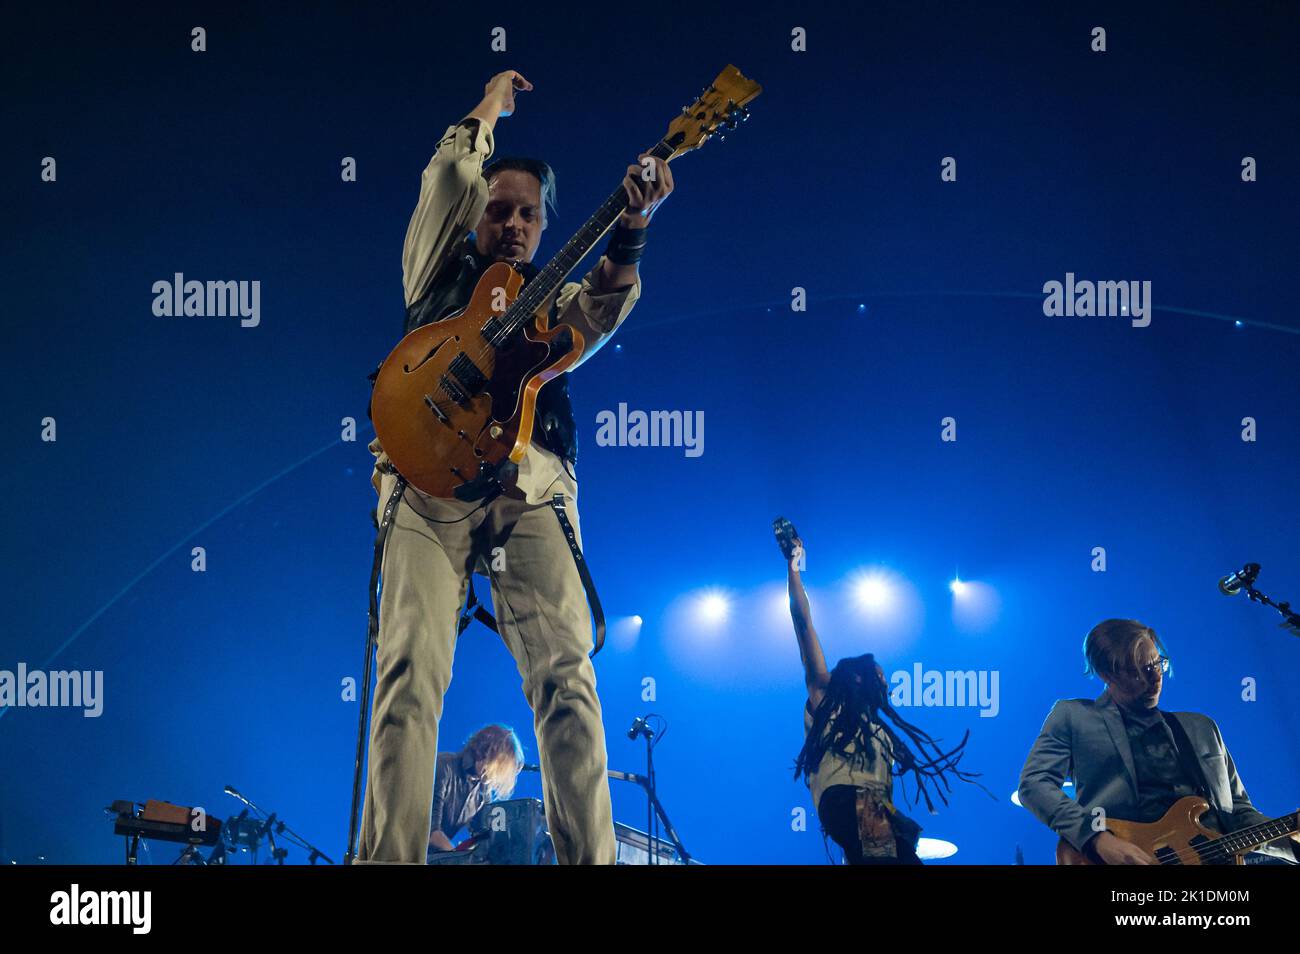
<point x="720" y="109"/>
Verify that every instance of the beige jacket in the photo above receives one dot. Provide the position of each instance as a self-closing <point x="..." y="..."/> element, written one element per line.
<point x="453" y="195"/>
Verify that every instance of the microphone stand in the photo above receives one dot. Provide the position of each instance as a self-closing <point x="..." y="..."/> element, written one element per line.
<point x="652" y="843"/>
<point x="272" y="826"/>
<point x="657" y="807"/>
<point x="1292" y="619"/>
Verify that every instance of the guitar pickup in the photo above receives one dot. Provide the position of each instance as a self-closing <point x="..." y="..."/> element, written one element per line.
<point x="467" y="373"/>
<point x="453" y="389"/>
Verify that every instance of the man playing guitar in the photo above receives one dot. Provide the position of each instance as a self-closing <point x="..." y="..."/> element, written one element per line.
<point x="435" y="544"/>
<point x="1133" y="761"/>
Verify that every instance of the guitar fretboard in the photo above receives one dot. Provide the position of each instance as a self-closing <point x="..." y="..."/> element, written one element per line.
<point x="549" y="278"/>
<point x="1238" y="842"/>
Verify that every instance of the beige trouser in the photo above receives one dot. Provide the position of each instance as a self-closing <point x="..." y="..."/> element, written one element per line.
<point x="541" y="609"/>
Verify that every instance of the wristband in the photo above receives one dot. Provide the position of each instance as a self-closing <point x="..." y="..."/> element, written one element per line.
<point x="626" y="245"/>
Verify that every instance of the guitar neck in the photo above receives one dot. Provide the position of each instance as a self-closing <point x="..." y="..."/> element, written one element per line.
<point x="575" y="250"/>
<point x="1239" y="842"/>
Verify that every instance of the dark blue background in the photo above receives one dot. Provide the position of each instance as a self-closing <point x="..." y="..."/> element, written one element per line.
<point x="1073" y="433"/>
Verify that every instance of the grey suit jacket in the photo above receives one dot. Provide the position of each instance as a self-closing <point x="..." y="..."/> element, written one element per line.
<point x="1084" y="739"/>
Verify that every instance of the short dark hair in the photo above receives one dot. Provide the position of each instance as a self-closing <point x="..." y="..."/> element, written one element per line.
<point x="1110" y="647"/>
<point x="535" y="167"/>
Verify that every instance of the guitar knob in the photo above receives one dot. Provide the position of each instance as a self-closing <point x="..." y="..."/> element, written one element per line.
<point x="495" y="431"/>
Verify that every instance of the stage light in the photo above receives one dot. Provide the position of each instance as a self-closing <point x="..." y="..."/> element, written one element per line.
<point x="976" y="606"/>
<point x="625" y="631"/>
<point x="778" y="603"/>
<point x="713" y="607"/>
<point x="872" y="592"/>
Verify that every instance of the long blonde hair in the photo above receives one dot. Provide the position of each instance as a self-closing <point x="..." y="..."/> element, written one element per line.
<point x="497" y="748"/>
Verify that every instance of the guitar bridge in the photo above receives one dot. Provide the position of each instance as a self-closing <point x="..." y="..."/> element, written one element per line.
<point x="433" y="406"/>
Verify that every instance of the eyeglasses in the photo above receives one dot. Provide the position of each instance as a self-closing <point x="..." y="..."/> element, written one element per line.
<point x="1161" y="665"/>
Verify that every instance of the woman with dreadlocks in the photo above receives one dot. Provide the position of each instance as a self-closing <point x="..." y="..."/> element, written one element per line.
<point x="850" y="750"/>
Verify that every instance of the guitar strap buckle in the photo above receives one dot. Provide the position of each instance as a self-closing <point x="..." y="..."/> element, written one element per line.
<point x="588" y="584"/>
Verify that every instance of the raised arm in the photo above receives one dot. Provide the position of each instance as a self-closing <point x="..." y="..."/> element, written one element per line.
<point x="598" y="305"/>
<point x="815" y="675"/>
<point x="647" y="184"/>
<point x="499" y="97"/>
<point x="453" y="192"/>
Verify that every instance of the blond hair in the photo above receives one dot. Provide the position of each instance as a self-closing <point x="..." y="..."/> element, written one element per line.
<point x="1111" y="647"/>
<point x="497" y="749"/>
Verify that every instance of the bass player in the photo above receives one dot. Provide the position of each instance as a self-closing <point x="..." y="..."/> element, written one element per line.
<point x="1129" y="758"/>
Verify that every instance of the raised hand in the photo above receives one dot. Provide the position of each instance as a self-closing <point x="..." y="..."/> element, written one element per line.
<point x="502" y="88"/>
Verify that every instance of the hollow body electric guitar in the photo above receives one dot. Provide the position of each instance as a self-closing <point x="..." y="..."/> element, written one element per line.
<point x="1178" y="838"/>
<point x="453" y="404"/>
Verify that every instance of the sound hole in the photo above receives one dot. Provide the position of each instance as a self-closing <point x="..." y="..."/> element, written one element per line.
<point x="436" y="348"/>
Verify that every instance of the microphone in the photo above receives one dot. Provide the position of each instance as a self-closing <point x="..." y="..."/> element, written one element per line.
<point x="639" y="728"/>
<point x="1231" y="584"/>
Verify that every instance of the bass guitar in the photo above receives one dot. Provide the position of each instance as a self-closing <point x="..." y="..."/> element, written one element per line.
<point x="1179" y="838"/>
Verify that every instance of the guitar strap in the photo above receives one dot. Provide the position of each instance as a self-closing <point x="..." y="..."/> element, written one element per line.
<point x="1192" y="766"/>
<point x="473" y="608"/>
<point x="588" y="584"/>
<point x="476" y="610"/>
<point x="372" y="640"/>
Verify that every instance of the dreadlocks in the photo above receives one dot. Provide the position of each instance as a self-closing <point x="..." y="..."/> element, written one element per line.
<point x="845" y="721"/>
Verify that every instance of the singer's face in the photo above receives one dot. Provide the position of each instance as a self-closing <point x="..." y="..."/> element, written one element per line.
<point x="1138" y="687"/>
<point x="512" y="223"/>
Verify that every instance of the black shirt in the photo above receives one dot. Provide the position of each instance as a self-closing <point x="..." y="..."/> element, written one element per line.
<point x="458" y="793"/>
<point x="1161" y="780"/>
